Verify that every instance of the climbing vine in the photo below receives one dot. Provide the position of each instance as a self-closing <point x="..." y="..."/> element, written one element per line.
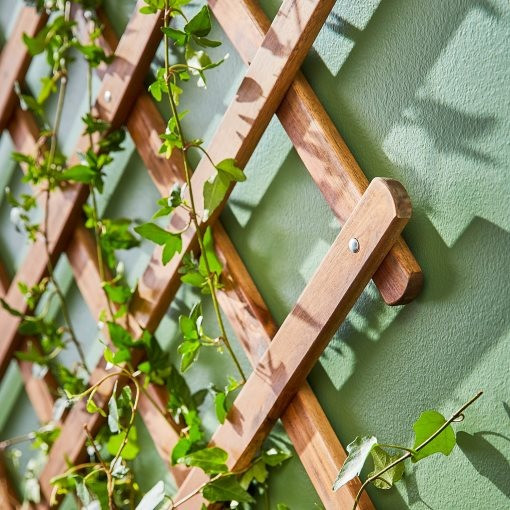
<point x="433" y="434"/>
<point x="107" y="479"/>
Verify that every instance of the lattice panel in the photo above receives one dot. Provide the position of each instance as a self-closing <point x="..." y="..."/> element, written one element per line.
<point x="278" y="381"/>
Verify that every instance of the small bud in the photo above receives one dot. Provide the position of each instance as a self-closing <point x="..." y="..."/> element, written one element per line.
<point x="87" y="15"/>
<point x="120" y="268"/>
<point x="15" y="216"/>
<point x="100" y="325"/>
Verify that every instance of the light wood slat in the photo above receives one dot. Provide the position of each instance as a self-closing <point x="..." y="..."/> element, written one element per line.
<point x="320" y="146"/>
<point x="309" y="429"/>
<point x="65" y="207"/>
<point x="123" y="79"/>
<point x="270" y="74"/>
<point x="15" y="59"/>
<point x="145" y="115"/>
<point x="81" y="253"/>
<point x="158" y="283"/>
<point x="376" y="222"/>
<point x="304" y="419"/>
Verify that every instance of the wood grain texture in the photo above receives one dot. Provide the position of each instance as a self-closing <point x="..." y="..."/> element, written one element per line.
<point x="320" y="146"/>
<point x="269" y="76"/>
<point x="304" y="419"/>
<point x="376" y="222"/>
<point x="134" y="51"/>
<point x="15" y="59"/>
<point x="125" y="75"/>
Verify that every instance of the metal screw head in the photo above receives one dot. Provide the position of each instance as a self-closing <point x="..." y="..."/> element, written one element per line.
<point x="107" y="96"/>
<point x="354" y="245"/>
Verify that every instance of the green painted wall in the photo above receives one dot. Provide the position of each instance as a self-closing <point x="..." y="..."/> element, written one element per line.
<point x="419" y="90"/>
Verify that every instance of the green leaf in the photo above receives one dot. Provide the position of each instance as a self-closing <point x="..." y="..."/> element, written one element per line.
<point x="229" y="167"/>
<point x="180" y="449"/>
<point x="148" y="10"/>
<point x="188" y="327"/>
<point x="153" y="498"/>
<point x="358" y="452"/>
<point x="178" y="36"/>
<point x="274" y="457"/>
<point x="154" y="233"/>
<point x="220" y="406"/>
<point x="194" y="279"/>
<point x="78" y="173"/>
<point x="119" y="294"/>
<point x="257" y="471"/>
<point x="226" y="488"/>
<point x="211" y="460"/>
<point x="155" y="90"/>
<point x="119" y="336"/>
<point x="131" y="449"/>
<point x="381" y="460"/>
<point x="428" y="423"/>
<point x="48" y="86"/>
<point x="215" y="191"/>
<point x="200" y="24"/>
<point x="172" y="246"/>
<point x="189" y="350"/>
<point x="92" y="407"/>
<point x="214" y="264"/>
<point x="206" y="43"/>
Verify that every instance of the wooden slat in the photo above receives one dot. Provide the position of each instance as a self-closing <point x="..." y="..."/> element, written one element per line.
<point x="15" y="59"/>
<point x="306" y="424"/>
<point x="65" y="206"/>
<point x="376" y="222"/>
<point x="81" y="253"/>
<point x="270" y="74"/>
<point x="320" y="146"/>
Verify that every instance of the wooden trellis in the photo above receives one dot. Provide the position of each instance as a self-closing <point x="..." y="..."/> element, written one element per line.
<point x="273" y="85"/>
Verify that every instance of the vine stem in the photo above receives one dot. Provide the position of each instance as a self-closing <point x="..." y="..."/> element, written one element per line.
<point x="193" y="212"/>
<point x="409" y="454"/>
<point x="51" y="157"/>
<point x="193" y="493"/>
<point x="103" y="465"/>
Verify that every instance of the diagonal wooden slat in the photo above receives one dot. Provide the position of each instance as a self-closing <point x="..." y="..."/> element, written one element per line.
<point x="341" y="455"/>
<point x="304" y="419"/>
<point x="269" y="76"/>
<point x="320" y="146"/>
<point x="376" y="223"/>
<point x="237" y="293"/>
<point x="65" y="206"/>
<point x="15" y="59"/>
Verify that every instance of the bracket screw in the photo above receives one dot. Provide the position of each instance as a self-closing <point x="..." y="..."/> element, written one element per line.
<point x="107" y="96"/>
<point x="354" y="245"/>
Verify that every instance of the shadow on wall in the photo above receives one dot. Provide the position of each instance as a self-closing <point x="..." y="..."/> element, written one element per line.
<point x="486" y="459"/>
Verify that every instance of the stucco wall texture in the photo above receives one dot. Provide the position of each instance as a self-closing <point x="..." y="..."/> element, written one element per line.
<point x="420" y="92"/>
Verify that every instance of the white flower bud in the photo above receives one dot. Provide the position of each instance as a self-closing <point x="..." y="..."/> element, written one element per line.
<point x="15" y="216"/>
